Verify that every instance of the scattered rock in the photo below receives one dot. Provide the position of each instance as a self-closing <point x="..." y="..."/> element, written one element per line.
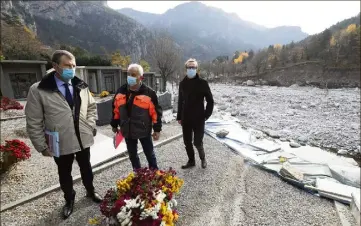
<point x="337" y="105"/>
<point x="273" y="134"/>
<point x="290" y="113"/>
<point x="222" y="133"/>
<point x="222" y="107"/>
<point x="312" y="105"/>
<point x="294" y="86"/>
<point x="234" y="113"/>
<point x="264" y="83"/>
<point x="283" y="139"/>
<point x="304" y="107"/>
<point x="294" y="145"/>
<point x="342" y="152"/>
<point x="303" y="140"/>
<point x="250" y="83"/>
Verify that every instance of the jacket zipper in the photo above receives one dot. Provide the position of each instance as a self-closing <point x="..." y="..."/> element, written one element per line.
<point x="129" y="116"/>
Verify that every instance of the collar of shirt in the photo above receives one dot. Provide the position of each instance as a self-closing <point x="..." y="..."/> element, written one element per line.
<point x="61" y="87"/>
<point x="60" y="83"/>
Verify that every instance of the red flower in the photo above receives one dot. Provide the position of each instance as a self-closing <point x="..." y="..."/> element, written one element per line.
<point x="7" y="104"/>
<point x="16" y="148"/>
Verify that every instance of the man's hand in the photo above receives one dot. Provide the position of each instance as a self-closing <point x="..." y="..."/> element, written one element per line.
<point x="115" y="130"/>
<point x="156" y="135"/>
<point x="47" y="153"/>
<point x="180" y="122"/>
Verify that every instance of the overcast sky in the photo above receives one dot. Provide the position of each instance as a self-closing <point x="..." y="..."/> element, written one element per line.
<point x="312" y="16"/>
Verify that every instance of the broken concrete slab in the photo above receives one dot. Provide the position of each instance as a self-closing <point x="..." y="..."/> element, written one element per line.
<point x="355" y="207"/>
<point x="103" y="150"/>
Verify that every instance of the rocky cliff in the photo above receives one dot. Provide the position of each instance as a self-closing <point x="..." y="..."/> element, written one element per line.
<point x="206" y="32"/>
<point x="88" y="24"/>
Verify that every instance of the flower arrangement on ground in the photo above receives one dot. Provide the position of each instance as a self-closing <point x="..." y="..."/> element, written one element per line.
<point x="7" y="104"/>
<point x="143" y="198"/>
<point x="104" y="94"/>
<point x="12" y="152"/>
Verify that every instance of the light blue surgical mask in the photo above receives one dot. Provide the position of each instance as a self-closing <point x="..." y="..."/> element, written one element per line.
<point x="68" y="74"/>
<point x="132" y="81"/>
<point x="191" y="73"/>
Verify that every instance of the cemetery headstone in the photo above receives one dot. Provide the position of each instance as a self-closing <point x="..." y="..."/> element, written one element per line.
<point x="104" y="109"/>
<point x="175" y="104"/>
<point x="165" y="101"/>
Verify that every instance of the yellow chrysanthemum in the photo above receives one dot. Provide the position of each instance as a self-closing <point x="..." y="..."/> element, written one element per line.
<point x="93" y="221"/>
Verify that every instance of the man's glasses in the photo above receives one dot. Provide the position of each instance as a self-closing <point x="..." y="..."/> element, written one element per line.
<point x="191" y="67"/>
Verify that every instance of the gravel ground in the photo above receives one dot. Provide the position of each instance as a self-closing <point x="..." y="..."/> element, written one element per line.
<point x="270" y="201"/>
<point x="19" y="181"/>
<point x="226" y="193"/>
<point x="328" y="119"/>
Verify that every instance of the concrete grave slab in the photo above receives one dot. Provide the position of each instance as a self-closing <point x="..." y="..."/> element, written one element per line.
<point x="103" y="149"/>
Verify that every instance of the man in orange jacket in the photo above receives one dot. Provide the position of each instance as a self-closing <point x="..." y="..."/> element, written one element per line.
<point x="136" y="112"/>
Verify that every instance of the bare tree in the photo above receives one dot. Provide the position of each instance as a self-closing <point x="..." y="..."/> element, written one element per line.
<point x="259" y="60"/>
<point x="164" y="55"/>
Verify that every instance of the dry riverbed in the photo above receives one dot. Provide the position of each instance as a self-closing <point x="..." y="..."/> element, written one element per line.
<point x="328" y="119"/>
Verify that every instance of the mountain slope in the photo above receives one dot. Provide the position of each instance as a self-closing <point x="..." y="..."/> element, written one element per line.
<point x="207" y="32"/>
<point x="89" y="25"/>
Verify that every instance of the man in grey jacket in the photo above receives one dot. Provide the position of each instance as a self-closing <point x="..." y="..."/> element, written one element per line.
<point x="62" y="103"/>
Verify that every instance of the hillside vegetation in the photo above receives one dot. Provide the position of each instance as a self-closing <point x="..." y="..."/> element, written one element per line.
<point x="337" y="46"/>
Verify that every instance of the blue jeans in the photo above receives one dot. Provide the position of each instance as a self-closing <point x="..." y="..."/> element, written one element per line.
<point x="147" y="144"/>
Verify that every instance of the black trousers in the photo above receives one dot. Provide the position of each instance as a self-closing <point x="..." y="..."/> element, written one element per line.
<point x="65" y="165"/>
<point x="197" y="129"/>
<point x="148" y="148"/>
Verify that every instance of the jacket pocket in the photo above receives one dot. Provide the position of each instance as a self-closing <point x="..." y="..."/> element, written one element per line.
<point x="83" y="122"/>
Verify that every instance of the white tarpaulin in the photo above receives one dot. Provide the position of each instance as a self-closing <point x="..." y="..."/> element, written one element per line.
<point x="312" y="168"/>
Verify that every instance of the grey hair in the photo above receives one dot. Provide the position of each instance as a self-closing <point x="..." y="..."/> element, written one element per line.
<point x="191" y="60"/>
<point x="138" y="67"/>
<point x="55" y="58"/>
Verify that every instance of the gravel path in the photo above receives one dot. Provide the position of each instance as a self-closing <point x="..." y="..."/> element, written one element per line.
<point x="328" y="119"/>
<point x="19" y="181"/>
<point x="226" y="193"/>
<point x="270" y="201"/>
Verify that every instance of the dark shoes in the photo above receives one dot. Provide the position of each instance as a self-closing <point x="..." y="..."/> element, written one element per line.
<point x="68" y="209"/>
<point x="192" y="164"/>
<point x="189" y="165"/>
<point x="204" y="163"/>
<point x="95" y="197"/>
<point x="69" y="205"/>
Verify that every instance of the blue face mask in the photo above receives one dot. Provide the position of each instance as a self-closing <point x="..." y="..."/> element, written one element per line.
<point x="191" y="73"/>
<point x="68" y="74"/>
<point x="132" y="81"/>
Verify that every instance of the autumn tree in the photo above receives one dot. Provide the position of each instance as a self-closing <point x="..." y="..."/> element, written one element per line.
<point x="241" y="58"/>
<point x="164" y="55"/>
<point x="145" y="65"/>
<point x="121" y="61"/>
<point x="18" y="42"/>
